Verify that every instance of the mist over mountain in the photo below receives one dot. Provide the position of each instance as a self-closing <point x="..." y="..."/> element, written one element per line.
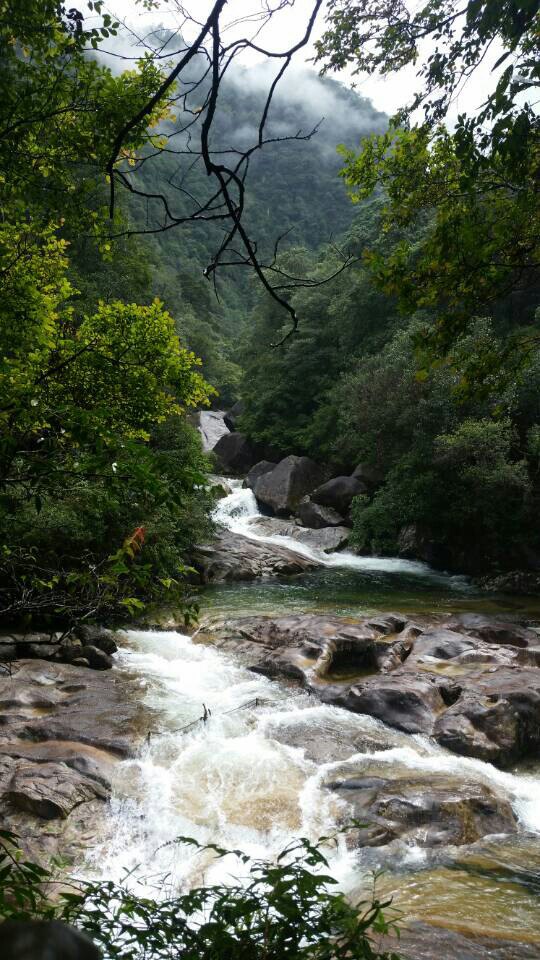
<point x="292" y="185"/>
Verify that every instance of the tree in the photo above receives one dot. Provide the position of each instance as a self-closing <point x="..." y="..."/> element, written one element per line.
<point x="478" y="184"/>
<point x="86" y="385"/>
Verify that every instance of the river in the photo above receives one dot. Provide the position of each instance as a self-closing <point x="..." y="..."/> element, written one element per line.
<point x="244" y="780"/>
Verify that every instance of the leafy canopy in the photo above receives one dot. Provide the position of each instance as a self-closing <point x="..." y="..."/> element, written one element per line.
<point x="474" y="190"/>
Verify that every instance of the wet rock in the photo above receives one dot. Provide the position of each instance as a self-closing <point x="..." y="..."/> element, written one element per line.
<point x="260" y="468"/>
<point x="442" y="644"/>
<point x="234" y="557"/>
<point x="477" y="698"/>
<point x="97" y="659"/>
<point x="423" y="941"/>
<point x="316" y="516"/>
<point x="492" y="630"/>
<point x="50" y="790"/>
<point x="282" y="488"/>
<point x="62" y="729"/>
<point x="409" y="703"/>
<point x="231" y="417"/>
<point x="43" y="701"/>
<point x="235" y="453"/>
<point x="96" y="636"/>
<point x="327" y="539"/>
<point x="338" y="493"/>
<point x="496" y="718"/>
<point x="424" y="809"/>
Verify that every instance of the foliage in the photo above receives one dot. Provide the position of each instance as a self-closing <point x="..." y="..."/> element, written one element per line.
<point x="347" y="390"/>
<point x="290" y="391"/>
<point x="100" y="478"/>
<point x="480" y="180"/>
<point x="463" y="481"/>
<point x="275" y="910"/>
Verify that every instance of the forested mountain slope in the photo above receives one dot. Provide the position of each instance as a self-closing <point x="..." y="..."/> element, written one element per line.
<point x="292" y="188"/>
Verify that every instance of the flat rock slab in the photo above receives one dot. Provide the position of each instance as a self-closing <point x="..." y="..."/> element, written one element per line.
<point x="62" y="729"/>
<point x="472" y="683"/>
<point x="50" y="790"/>
<point x="422" y="809"/>
<point x="234" y="557"/>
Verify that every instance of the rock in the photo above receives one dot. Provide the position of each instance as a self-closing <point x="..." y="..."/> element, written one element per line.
<point x="371" y="476"/>
<point x="44" y="940"/>
<point x="231" y="417"/>
<point x="104" y="640"/>
<point x="520" y="582"/>
<point x="426" y="810"/>
<point x="316" y="516"/>
<point x="44" y="701"/>
<point x="50" y="790"/>
<point x="424" y="941"/>
<point x="478" y="699"/>
<point x="492" y="630"/>
<point x="97" y="659"/>
<point x="260" y="468"/>
<point x="235" y="453"/>
<point x="496" y="718"/>
<point x="326" y="539"/>
<point x="234" y="557"/>
<point x="283" y="488"/>
<point x="442" y="644"/>
<point x="406" y="702"/>
<point x="211" y="426"/>
<point x="338" y="493"/>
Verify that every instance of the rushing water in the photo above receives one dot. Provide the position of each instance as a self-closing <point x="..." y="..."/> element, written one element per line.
<point x="247" y="777"/>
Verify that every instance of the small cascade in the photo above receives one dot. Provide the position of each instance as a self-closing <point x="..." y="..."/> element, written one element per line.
<point x="238" y="511"/>
<point x="241" y="780"/>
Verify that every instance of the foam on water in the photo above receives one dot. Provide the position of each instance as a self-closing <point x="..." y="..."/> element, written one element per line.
<point x="238" y="511"/>
<point x="235" y="781"/>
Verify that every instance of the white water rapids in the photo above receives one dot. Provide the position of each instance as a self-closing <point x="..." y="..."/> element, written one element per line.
<point x="238" y="511"/>
<point x="244" y="779"/>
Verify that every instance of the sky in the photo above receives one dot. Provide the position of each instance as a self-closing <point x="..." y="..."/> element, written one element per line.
<point x="387" y="93"/>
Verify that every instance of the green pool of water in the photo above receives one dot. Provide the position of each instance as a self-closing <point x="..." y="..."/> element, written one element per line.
<point x="348" y="592"/>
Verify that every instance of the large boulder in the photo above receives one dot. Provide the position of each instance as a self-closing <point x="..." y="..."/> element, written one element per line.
<point x="234" y="557"/>
<point x="211" y="426"/>
<point x="231" y="417"/>
<point x="316" y="516"/>
<point x="260" y="468"/>
<point x="235" y="453"/>
<point x="338" y="493"/>
<point x="422" y="809"/>
<point x="283" y="488"/>
<point x="371" y="476"/>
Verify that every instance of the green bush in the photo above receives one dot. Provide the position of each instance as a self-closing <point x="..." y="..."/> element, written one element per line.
<point x="273" y="910"/>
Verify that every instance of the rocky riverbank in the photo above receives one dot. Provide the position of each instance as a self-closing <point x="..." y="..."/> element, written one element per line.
<point x="63" y="727"/>
<point x="470" y="682"/>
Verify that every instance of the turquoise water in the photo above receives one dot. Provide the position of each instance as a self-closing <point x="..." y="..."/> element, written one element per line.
<point x="348" y="592"/>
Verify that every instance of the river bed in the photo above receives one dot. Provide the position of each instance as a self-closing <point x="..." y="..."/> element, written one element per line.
<point x="245" y="780"/>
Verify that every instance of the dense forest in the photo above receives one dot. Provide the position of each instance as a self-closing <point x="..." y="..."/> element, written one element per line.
<point x="192" y="221"/>
<point x="420" y="359"/>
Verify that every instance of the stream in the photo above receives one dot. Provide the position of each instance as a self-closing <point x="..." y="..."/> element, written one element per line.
<point x="244" y="780"/>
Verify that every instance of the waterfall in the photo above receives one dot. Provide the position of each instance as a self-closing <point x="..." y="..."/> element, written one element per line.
<point x="238" y="511"/>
